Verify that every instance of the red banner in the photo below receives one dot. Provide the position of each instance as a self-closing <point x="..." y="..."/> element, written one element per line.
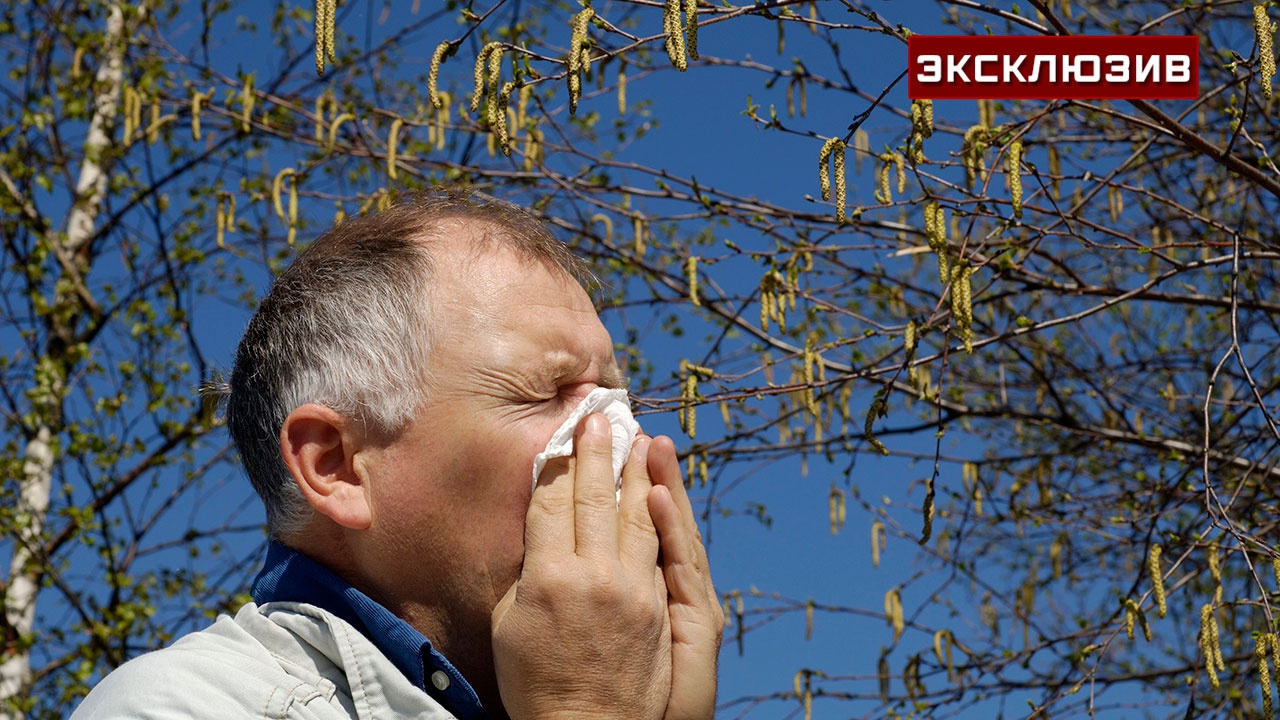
<point x="1053" y="67"/>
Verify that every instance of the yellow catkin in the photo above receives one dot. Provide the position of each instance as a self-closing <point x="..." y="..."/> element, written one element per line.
<point x="329" y="48"/>
<point x="608" y="225"/>
<point x="433" y="75"/>
<point x="691" y="271"/>
<point x="226" y="216"/>
<point x="802" y="685"/>
<point x="917" y="118"/>
<point x="883" y="673"/>
<point x="638" y="230"/>
<point x="1157" y="578"/>
<point x="1215" y="572"/>
<point x="962" y="303"/>
<point x="833" y="148"/>
<point x="1115" y="203"/>
<point x="973" y="152"/>
<point x="1266" y="50"/>
<point x="293" y="208"/>
<point x="806" y="378"/>
<point x="837" y="169"/>
<point x="910" y="337"/>
<point x="491" y="90"/>
<point x="879" y="408"/>
<point x="986" y="113"/>
<point x="323" y="103"/>
<point x="893" y="612"/>
<point x="808" y="620"/>
<point x="277" y="192"/>
<point x="522" y="106"/>
<point x="622" y="88"/>
<point x="691" y="409"/>
<point x="335" y="126"/>
<point x="479" y="74"/>
<point x="1275" y="570"/>
<point x="443" y="118"/>
<point x="836" y="510"/>
<point x="1133" y="612"/>
<point x="883" y="194"/>
<point x="325" y="12"/>
<point x="132" y="104"/>
<point x="674" y="31"/>
<point x="911" y="678"/>
<point x="691" y="26"/>
<point x="1015" y="177"/>
<point x="499" y="121"/>
<point x="943" y="647"/>
<point x="1210" y="645"/>
<point x="153" y="127"/>
<point x="935" y="231"/>
<point x="393" y="140"/>
<point x="879" y="538"/>
<point x="900" y="164"/>
<point x="247" y="99"/>
<point x="1261" y="641"/>
<point x="197" y="99"/>
<point x="578" y="44"/>
<point x="689" y="395"/>
<point x="861" y="147"/>
<point x="1055" y="171"/>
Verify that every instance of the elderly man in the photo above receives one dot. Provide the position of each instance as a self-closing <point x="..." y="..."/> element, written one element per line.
<point x="388" y="399"/>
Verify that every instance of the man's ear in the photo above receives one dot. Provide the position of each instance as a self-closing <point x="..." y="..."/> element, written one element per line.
<point x="319" y="446"/>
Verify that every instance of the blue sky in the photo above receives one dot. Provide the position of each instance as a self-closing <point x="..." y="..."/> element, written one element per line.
<point x="702" y="130"/>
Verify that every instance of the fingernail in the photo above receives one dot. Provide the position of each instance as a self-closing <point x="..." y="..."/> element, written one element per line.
<point x="640" y="450"/>
<point x="597" y="424"/>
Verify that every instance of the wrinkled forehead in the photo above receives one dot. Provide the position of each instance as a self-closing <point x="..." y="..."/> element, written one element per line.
<point x="470" y="240"/>
<point x="492" y="283"/>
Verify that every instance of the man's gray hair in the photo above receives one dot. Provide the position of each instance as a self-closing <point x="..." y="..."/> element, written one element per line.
<point x="348" y="325"/>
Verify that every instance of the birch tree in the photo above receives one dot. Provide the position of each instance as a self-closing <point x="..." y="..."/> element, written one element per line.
<point x="1069" y="305"/>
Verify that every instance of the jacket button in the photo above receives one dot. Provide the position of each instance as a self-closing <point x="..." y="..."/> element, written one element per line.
<point x="440" y="680"/>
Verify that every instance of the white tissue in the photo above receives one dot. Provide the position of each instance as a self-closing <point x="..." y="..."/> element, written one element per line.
<point x="613" y="403"/>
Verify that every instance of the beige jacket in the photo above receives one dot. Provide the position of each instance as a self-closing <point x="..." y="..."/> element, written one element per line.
<point x="279" y="660"/>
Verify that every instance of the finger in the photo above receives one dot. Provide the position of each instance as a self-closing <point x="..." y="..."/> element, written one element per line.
<point x="697" y="622"/>
<point x="637" y="539"/>
<point x="664" y="469"/>
<point x="548" y="523"/>
<point x="679" y="557"/>
<point x="595" y="504"/>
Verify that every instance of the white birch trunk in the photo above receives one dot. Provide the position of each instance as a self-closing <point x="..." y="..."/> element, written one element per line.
<point x="37" y="469"/>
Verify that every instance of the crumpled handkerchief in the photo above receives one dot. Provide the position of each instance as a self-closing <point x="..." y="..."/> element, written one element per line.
<point x="614" y="405"/>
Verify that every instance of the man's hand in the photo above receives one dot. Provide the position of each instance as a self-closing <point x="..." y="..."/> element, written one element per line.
<point x="586" y="631"/>
<point x="697" y="621"/>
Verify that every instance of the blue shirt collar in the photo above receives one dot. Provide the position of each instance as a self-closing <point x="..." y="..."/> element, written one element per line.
<point x="288" y="575"/>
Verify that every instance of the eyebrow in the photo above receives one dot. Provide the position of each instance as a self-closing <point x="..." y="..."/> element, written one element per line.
<point x="611" y="377"/>
<point x="562" y="365"/>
